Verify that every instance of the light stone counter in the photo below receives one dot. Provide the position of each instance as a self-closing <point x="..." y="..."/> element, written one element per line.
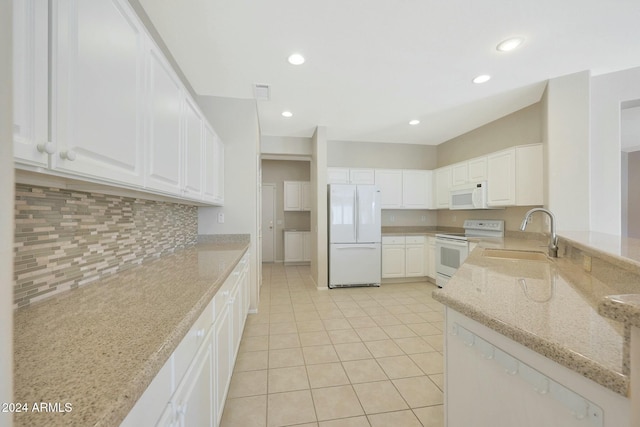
<point x="98" y="347"/>
<point x="550" y="307"/>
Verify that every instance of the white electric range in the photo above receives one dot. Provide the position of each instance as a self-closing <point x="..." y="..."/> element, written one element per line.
<point x="452" y="249"/>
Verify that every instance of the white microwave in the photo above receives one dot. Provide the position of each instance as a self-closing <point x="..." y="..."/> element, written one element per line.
<point x="469" y="196"/>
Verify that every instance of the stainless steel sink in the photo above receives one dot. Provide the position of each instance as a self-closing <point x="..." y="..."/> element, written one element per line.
<point x="515" y="255"/>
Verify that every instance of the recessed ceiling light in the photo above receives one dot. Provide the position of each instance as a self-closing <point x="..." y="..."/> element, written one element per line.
<point x="482" y="79"/>
<point x="510" y="44"/>
<point x="414" y="122"/>
<point x="287" y="114"/>
<point x="296" y="59"/>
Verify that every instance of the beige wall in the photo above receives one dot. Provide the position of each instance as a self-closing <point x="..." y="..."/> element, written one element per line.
<point x="6" y="212"/>
<point x="236" y="122"/>
<point x="519" y="128"/>
<point x="512" y="218"/>
<point x="380" y="155"/>
<point x="276" y="172"/>
<point x="633" y="198"/>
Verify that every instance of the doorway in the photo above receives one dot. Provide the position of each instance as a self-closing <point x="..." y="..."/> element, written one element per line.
<point x="268" y="222"/>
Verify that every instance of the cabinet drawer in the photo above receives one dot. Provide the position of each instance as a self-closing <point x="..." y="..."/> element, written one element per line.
<point x="415" y="240"/>
<point x="393" y="240"/>
<point x="189" y="345"/>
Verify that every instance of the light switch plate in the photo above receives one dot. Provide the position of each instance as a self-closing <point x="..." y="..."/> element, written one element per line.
<point x="220" y="217"/>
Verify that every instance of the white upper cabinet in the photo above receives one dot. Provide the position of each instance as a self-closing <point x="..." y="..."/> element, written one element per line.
<point x="361" y="176"/>
<point x="350" y="176"/>
<point x="529" y="175"/>
<point x="416" y="189"/>
<point x="164" y="141"/>
<point x="193" y="150"/>
<point x="97" y="90"/>
<point x="404" y="188"/>
<point x="214" y="167"/>
<point x="477" y="169"/>
<point x="501" y="180"/>
<point x="30" y="83"/>
<point x="459" y="173"/>
<point x="389" y="182"/>
<point x="443" y="179"/>
<point x="515" y="176"/>
<point x="111" y="110"/>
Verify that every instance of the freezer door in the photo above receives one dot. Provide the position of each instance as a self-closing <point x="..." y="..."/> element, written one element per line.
<point x="354" y="264"/>
<point x="369" y="222"/>
<point x="342" y="213"/>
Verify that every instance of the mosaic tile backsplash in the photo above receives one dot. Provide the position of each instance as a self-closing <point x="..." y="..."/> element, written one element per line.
<point x="65" y="239"/>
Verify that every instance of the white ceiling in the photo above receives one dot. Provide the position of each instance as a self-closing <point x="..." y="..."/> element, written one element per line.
<point x="373" y="65"/>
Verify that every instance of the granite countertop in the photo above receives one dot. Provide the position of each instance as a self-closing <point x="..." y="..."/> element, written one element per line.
<point x="99" y="346"/>
<point x="549" y="306"/>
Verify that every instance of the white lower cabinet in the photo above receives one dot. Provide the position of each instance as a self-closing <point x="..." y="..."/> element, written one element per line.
<point x="297" y="246"/>
<point x="191" y="388"/>
<point x="501" y="383"/>
<point x="408" y="256"/>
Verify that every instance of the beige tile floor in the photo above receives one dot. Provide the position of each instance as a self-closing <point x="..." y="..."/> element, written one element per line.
<point x="338" y="358"/>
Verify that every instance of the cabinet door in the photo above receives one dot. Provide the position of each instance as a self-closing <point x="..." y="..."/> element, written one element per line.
<point x="393" y="261"/>
<point x="362" y="176"/>
<point x="501" y="178"/>
<point x="292" y="194"/>
<point x="443" y="187"/>
<point x="293" y="246"/>
<point x="30" y="82"/>
<point x="478" y="169"/>
<point x="164" y="144"/>
<point x="193" y="150"/>
<point x="430" y="269"/>
<point x="529" y="179"/>
<point x="416" y="189"/>
<point x="218" y="171"/>
<point x="459" y="173"/>
<point x="194" y="395"/>
<point x="389" y="182"/>
<point x="222" y="361"/>
<point x="414" y="261"/>
<point x="338" y="176"/>
<point x="167" y="419"/>
<point x="237" y="314"/>
<point x="306" y="195"/>
<point x="98" y="79"/>
<point x="306" y="246"/>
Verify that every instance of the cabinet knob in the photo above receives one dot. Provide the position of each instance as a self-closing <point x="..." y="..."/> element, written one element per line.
<point x="200" y="333"/>
<point x="47" y="147"/>
<point x="68" y="155"/>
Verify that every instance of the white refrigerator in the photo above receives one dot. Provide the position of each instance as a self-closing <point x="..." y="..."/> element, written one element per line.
<point x="354" y="235"/>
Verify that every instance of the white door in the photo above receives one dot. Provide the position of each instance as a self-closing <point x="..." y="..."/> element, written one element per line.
<point x="342" y="215"/>
<point x="268" y="222"/>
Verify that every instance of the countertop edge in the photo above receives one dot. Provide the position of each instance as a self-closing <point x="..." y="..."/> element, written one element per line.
<point x="612" y="380"/>
<point x="622" y="308"/>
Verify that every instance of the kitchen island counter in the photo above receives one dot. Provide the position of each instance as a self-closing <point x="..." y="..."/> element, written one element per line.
<point x="550" y="307"/>
<point x="97" y="348"/>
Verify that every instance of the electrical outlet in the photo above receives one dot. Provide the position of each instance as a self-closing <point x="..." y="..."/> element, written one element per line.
<point x="423" y="218"/>
<point x="392" y="218"/>
<point x="220" y="217"/>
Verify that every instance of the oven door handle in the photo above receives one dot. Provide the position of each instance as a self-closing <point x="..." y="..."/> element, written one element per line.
<point x="451" y="242"/>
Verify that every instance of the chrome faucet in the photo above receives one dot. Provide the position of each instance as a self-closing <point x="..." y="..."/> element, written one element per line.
<point x="553" y="238"/>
